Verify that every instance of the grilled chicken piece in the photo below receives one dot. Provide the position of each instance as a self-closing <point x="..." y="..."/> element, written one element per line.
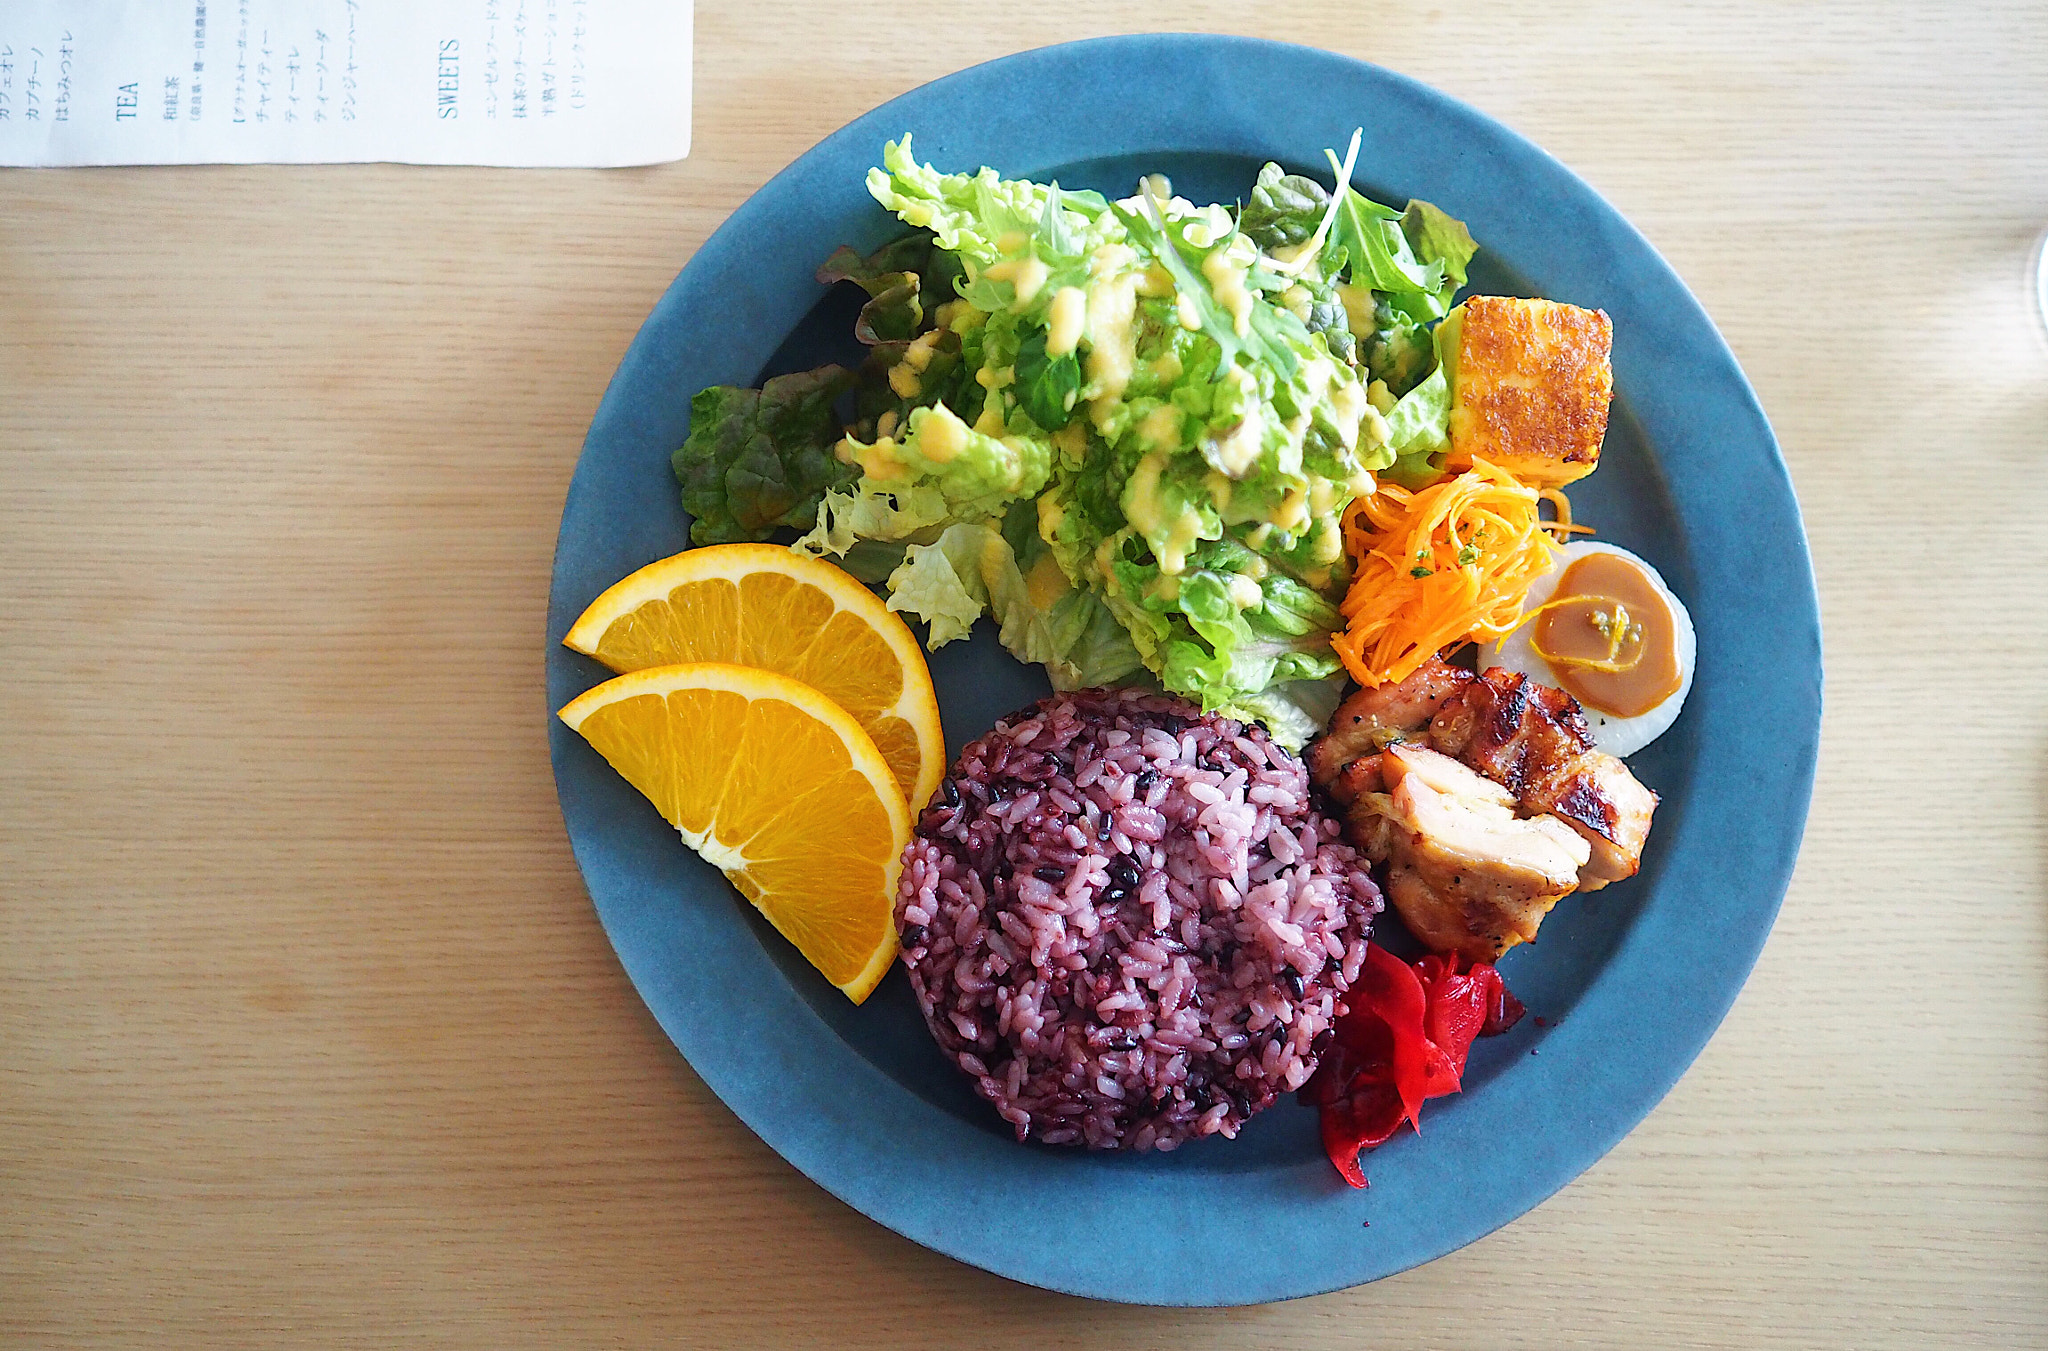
<point x="1355" y="780"/>
<point x="1502" y="721"/>
<point x="1466" y="873"/>
<point x="1511" y="809"/>
<point x="1609" y="808"/>
<point x="1368" y="720"/>
<point x="1532" y="739"/>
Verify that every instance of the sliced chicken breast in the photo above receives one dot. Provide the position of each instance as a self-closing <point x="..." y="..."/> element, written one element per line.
<point x="1465" y="872"/>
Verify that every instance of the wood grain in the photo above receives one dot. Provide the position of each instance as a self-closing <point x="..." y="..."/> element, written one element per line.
<point x="308" y="1035"/>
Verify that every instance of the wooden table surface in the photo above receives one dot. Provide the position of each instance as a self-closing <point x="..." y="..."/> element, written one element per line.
<point x="309" y="1036"/>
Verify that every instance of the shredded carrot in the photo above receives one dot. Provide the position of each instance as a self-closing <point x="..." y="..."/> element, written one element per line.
<point x="1442" y="565"/>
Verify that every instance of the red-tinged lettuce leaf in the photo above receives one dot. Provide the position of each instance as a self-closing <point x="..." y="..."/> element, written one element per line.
<point x="904" y="279"/>
<point x="909" y="253"/>
<point x="895" y="308"/>
<point x="946" y="378"/>
<point x="760" y="460"/>
<point x="893" y="314"/>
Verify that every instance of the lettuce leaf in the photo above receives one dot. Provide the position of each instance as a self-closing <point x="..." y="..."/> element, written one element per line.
<point x="906" y="253"/>
<point x="1284" y="636"/>
<point x="971" y="570"/>
<point x="761" y="460"/>
<point x="894" y="313"/>
<point x="850" y="516"/>
<point x="1399" y="350"/>
<point x="1285" y="209"/>
<point x="1184" y="526"/>
<point x="905" y="280"/>
<point x="942" y="583"/>
<point x="895" y="308"/>
<point x="970" y="214"/>
<point x="1439" y="237"/>
<point x="1420" y="429"/>
<point x="941" y="472"/>
<point x="1294" y="711"/>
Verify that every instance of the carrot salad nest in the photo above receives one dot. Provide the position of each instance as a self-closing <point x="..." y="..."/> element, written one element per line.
<point x="1441" y="565"/>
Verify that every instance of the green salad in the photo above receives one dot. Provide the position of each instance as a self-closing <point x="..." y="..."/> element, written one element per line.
<point x="1126" y="431"/>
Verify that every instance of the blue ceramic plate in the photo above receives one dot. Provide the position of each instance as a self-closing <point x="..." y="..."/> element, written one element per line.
<point x="1630" y="981"/>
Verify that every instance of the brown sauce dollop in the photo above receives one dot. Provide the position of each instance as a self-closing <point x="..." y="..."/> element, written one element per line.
<point x="1609" y="637"/>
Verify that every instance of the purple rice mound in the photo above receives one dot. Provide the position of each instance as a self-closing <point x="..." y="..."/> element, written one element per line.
<point x="1128" y="923"/>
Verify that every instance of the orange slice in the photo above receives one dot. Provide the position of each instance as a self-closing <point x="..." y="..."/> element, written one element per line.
<point x="777" y="786"/>
<point x="767" y="606"/>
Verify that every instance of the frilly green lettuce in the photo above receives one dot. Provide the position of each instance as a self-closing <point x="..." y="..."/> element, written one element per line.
<point x="942" y="471"/>
<point x="1294" y="712"/>
<point x="971" y="214"/>
<point x="1126" y="432"/>
<point x="971" y="570"/>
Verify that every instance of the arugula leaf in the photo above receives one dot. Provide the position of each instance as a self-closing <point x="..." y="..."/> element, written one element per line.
<point x="1165" y="240"/>
<point x="1047" y="386"/>
<point x="1374" y="241"/>
<point x="1277" y="327"/>
<point x="761" y="460"/>
<point x="1378" y="252"/>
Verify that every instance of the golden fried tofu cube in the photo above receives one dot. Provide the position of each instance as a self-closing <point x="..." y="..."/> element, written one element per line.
<point x="1530" y="385"/>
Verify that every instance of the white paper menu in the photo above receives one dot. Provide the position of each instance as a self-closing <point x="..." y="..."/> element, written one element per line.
<point x="504" y="82"/>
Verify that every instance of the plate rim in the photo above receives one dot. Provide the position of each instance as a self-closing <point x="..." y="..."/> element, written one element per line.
<point x="864" y="1184"/>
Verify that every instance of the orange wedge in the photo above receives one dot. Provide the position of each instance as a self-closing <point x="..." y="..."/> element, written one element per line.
<point x="767" y="606"/>
<point x="777" y="786"/>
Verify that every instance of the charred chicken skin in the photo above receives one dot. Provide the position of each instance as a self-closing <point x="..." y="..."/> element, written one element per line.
<point x="1483" y="798"/>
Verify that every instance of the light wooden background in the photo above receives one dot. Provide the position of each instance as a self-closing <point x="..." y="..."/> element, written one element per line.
<point x="309" y="1037"/>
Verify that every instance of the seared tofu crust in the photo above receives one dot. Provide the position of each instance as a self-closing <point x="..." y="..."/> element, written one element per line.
<point x="1531" y="388"/>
